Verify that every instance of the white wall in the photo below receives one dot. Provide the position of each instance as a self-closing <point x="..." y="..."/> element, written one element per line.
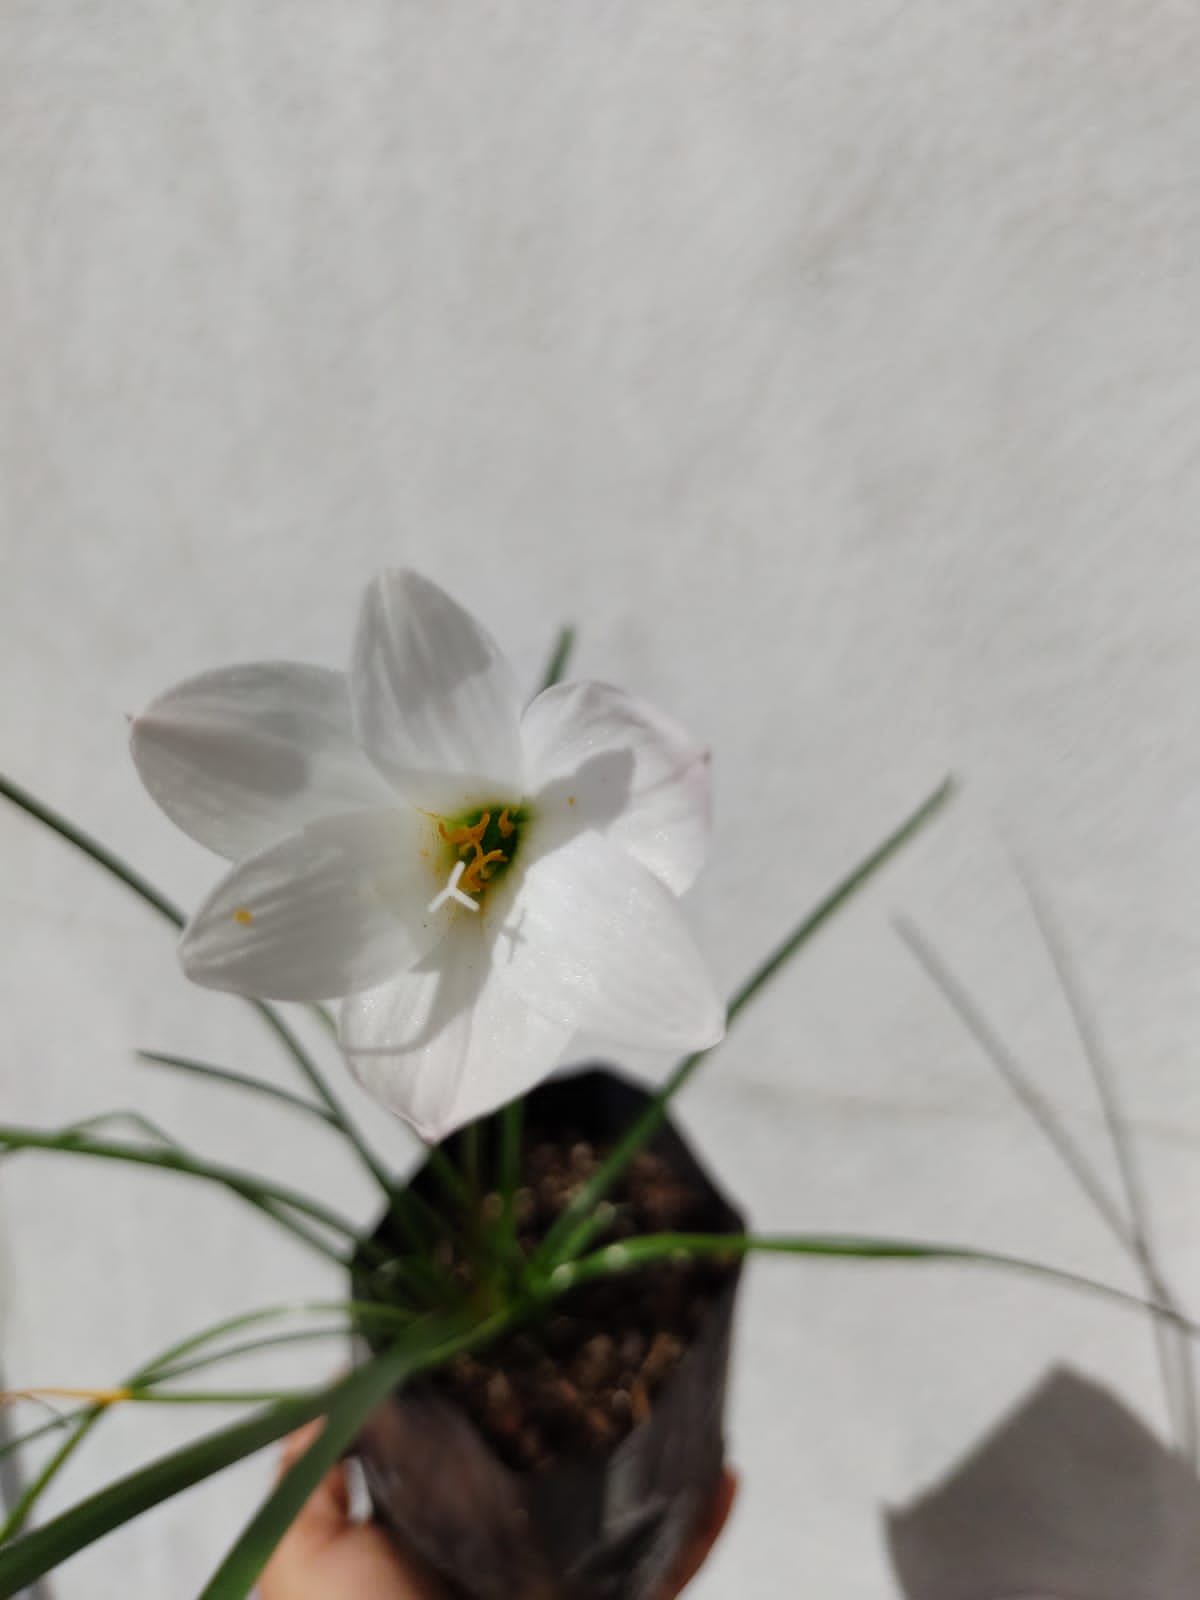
<point x="836" y="369"/>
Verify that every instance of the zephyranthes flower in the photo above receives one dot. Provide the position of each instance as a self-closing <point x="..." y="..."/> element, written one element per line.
<point x="480" y="881"/>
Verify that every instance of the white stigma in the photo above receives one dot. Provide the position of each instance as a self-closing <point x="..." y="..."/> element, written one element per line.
<point x="453" y="892"/>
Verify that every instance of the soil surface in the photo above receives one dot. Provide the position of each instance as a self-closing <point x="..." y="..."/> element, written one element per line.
<point x="579" y="1383"/>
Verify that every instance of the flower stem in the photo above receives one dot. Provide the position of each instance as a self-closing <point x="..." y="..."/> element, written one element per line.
<point x="512" y="1121"/>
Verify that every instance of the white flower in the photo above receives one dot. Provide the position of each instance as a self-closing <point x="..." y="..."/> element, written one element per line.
<point x="480" y="881"/>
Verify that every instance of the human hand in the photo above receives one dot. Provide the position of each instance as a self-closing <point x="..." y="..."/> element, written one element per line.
<point x="326" y="1556"/>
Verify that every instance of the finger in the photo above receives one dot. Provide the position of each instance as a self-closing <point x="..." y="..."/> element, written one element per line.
<point x="324" y="1515"/>
<point x="705" y="1535"/>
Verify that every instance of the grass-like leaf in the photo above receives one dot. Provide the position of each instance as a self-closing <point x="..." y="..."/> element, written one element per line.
<point x="175" y="1160"/>
<point x="633" y="1253"/>
<point x="22" y="1562"/>
<point x="239" y="1080"/>
<point x="556" y="667"/>
<point x="267" y="1207"/>
<point x="413" y="1353"/>
<point x="572" y="1232"/>
<point x="145" y="891"/>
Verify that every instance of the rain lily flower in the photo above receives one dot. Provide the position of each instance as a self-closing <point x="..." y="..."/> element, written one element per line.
<point x="478" y="881"/>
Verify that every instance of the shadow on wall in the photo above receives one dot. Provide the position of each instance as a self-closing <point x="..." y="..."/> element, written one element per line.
<point x="1070" y="1498"/>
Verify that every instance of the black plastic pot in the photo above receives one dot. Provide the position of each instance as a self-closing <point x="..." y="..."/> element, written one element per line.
<point x="608" y="1527"/>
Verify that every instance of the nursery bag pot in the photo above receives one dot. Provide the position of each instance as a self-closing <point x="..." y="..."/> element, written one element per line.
<point x="573" y="1458"/>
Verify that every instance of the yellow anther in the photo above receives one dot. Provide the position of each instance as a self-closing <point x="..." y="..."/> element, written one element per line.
<point x="477" y="871"/>
<point x="476" y="864"/>
<point x="471" y="835"/>
<point x="244" y="917"/>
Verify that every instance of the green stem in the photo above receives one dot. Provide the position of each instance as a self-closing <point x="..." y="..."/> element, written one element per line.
<point x="512" y="1121"/>
<point x="577" y="1225"/>
<point x="472" y="1139"/>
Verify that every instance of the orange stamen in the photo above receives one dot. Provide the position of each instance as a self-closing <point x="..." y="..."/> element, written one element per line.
<point x="507" y="828"/>
<point x="472" y="878"/>
<point x="471" y="835"/>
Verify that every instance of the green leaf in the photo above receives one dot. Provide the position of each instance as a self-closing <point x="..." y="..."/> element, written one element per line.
<point x="174" y="1160"/>
<point x="238" y="1080"/>
<point x="133" y="880"/>
<point x="269" y="1208"/>
<point x="556" y="667"/>
<point x="633" y="1253"/>
<point x="367" y="1388"/>
<point x="47" y="1547"/>
<point x="573" y="1230"/>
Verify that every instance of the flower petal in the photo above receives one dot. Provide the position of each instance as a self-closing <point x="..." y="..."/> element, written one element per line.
<point x="241" y="757"/>
<point x="333" y="909"/>
<point x="597" y="758"/>
<point x="448" y="1041"/>
<point x="596" y="942"/>
<point x="436" y="705"/>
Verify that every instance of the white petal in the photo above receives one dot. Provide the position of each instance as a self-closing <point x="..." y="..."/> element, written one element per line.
<point x="336" y="908"/>
<point x="436" y="705"/>
<point x="596" y="942"/>
<point x="448" y="1041"/>
<point x="597" y="758"/>
<point x="241" y="757"/>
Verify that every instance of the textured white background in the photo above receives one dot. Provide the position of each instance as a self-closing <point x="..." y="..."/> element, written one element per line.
<point x="836" y="369"/>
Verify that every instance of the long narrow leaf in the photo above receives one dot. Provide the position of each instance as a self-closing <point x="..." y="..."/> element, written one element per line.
<point x="238" y="1080"/>
<point x="269" y="1208"/>
<point x="173" y="1363"/>
<point x="1175" y="1357"/>
<point x="571" y="1233"/>
<point x="556" y="667"/>
<point x="239" y="1571"/>
<point x="172" y="1160"/>
<point x="633" y="1253"/>
<point x="47" y="1547"/>
<point x="133" y="880"/>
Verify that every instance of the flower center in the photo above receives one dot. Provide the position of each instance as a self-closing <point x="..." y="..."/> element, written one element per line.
<point x="482" y="846"/>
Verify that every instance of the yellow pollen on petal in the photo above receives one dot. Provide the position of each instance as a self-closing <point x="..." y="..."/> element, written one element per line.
<point x="243" y="917"/>
<point x="570" y="799"/>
